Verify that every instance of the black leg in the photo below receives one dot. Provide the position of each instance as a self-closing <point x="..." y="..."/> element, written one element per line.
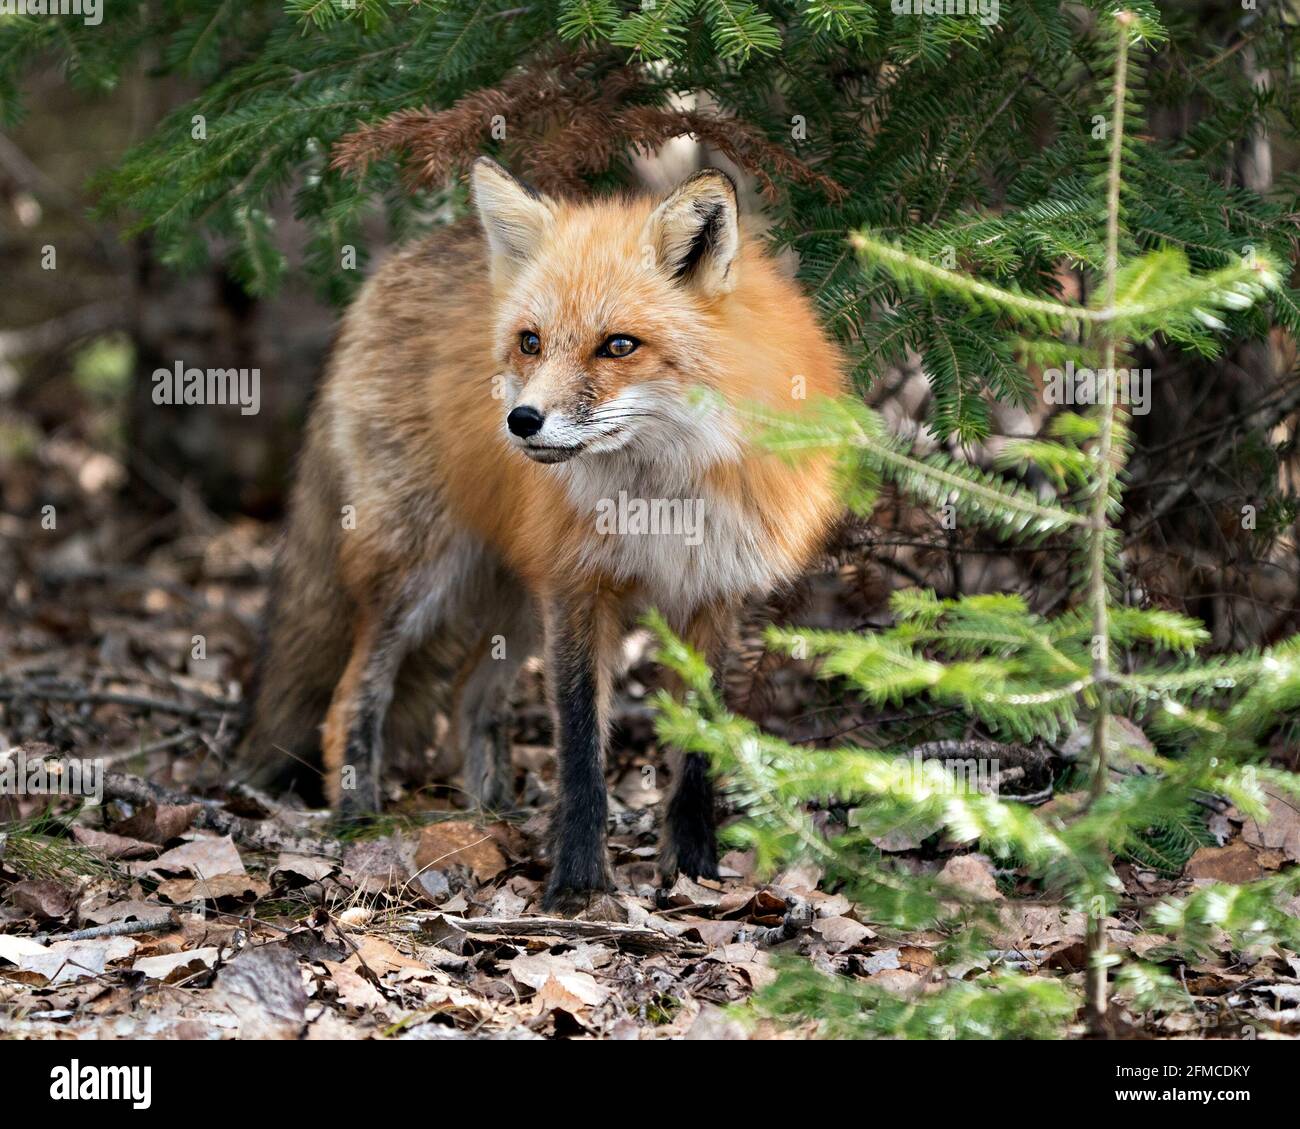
<point x="689" y="842"/>
<point x="691" y="847"/>
<point x="580" y="862"/>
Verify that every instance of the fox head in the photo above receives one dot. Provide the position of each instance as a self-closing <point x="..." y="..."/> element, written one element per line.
<point x="607" y="314"/>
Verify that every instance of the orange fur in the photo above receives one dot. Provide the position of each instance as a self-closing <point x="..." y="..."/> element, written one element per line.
<point x="439" y="411"/>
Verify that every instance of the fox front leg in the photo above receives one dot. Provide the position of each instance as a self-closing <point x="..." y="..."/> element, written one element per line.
<point x="580" y="642"/>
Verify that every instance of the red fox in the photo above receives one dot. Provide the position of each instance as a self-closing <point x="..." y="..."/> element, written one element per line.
<point x="506" y="404"/>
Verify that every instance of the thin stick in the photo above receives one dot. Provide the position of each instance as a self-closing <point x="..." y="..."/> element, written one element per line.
<point x="112" y="929"/>
<point x="634" y="936"/>
<point x="12" y="692"/>
<point x="1096" y="988"/>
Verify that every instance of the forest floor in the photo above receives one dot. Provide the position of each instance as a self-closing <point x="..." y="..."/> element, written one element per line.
<point x="168" y="911"/>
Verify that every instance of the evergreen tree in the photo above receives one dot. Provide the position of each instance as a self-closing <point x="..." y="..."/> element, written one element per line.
<point x="1021" y="677"/>
<point x="966" y="139"/>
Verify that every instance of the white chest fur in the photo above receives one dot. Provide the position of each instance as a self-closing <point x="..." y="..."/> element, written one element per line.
<point x="657" y="523"/>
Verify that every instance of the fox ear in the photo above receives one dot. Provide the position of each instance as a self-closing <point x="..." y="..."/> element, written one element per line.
<point x="514" y="216"/>
<point x="695" y="234"/>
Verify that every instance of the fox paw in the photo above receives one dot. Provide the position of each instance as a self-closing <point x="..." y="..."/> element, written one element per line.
<point x="695" y="856"/>
<point x="574" y="883"/>
<point x="355" y="808"/>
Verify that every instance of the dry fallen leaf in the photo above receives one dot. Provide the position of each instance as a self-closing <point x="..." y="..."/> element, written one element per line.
<point x="1039" y="926"/>
<point x="712" y="933"/>
<point x="234" y="887"/>
<point x="546" y="973"/>
<point x="842" y="933"/>
<point x="73" y="960"/>
<point x="171" y="967"/>
<point x="303" y="867"/>
<point x="687" y="892"/>
<point x="880" y="960"/>
<point x="43" y="898"/>
<point x="1236" y="863"/>
<point x="900" y="839"/>
<point x="1282" y="829"/>
<point x="205" y="857"/>
<point x="95" y="913"/>
<point x="375" y="866"/>
<point x="14" y="949"/>
<point x="896" y="981"/>
<point x="972" y="875"/>
<point x="802" y="879"/>
<point x="354" y="990"/>
<point x="158" y="824"/>
<point x="111" y="846"/>
<point x="380" y="957"/>
<point x="459" y="842"/>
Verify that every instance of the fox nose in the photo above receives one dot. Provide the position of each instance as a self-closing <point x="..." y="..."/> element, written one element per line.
<point x="525" y="421"/>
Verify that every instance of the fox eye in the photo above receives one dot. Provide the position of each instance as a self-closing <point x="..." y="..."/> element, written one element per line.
<point x="530" y="343"/>
<point x="618" y="346"/>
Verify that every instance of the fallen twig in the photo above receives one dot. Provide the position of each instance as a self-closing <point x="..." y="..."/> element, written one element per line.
<point x="116" y="756"/>
<point x="633" y="936"/>
<point x="112" y="929"/>
<point x="10" y="692"/>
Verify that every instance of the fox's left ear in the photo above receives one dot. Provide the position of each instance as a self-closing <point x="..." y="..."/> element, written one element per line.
<point x="695" y="233"/>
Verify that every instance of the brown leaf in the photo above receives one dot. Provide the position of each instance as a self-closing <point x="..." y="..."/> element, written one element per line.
<point x="880" y="960"/>
<point x="761" y="906"/>
<point x="712" y="933"/>
<point x="737" y="864"/>
<point x="1282" y="829"/>
<point x="380" y="957"/>
<point x="205" y="857"/>
<point x="44" y="898"/>
<point x="1038" y="926"/>
<point x="158" y="824"/>
<point x="546" y="973"/>
<point x="459" y="842"/>
<point x="173" y="967"/>
<point x="74" y="960"/>
<point x="14" y="949"/>
<point x="1236" y="863"/>
<point x="234" y="887"/>
<point x="298" y="870"/>
<point x="801" y="879"/>
<point x="830" y="905"/>
<point x="916" y="959"/>
<point x="1065" y="806"/>
<point x="354" y="990"/>
<point x="842" y="932"/>
<point x="1071" y="958"/>
<point x="121" y="910"/>
<point x="905" y="838"/>
<point x="110" y="846"/>
<point x="972" y="875"/>
<point x="896" y="981"/>
<point x="637" y="788"/>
